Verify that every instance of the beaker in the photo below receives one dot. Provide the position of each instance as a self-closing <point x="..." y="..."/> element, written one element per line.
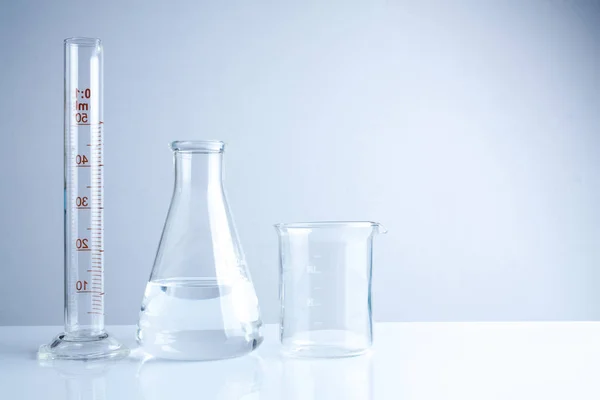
<point x="325" y="287"/>
<point x="200" y="303"/>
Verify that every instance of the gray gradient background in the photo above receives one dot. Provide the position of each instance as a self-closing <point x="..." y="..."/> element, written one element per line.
<point x="470" y="129"/>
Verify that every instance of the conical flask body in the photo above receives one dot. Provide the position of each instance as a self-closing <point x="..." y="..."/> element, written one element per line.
<point x="199" y="303"/>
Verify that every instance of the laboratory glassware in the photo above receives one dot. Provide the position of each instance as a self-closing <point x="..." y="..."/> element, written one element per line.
<point x="85" y="337"/>
<point x="199" y="303"/>
<point x="325" y="287"/>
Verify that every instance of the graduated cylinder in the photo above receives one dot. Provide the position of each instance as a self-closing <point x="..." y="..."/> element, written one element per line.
<point x="84" y="337"/>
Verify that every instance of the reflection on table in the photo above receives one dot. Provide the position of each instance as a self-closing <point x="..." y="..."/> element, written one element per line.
<point x="325" y="379"/>
<point x="83" y="380"/>
<point x="233" y="379"/>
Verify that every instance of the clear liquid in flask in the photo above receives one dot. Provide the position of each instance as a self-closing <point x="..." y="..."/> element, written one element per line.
<point x="199" y="319"/>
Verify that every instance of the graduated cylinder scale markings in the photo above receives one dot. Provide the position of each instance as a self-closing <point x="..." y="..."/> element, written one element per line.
<point x="84" y="210"/>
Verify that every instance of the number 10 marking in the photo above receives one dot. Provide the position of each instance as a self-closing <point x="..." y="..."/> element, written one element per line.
<point x="81" y="285"/>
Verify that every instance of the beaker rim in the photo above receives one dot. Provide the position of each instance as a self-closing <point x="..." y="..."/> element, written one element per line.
<point x="327" y="224"/>
<point x="198" y="146"/>
<point x="83" y="41"/>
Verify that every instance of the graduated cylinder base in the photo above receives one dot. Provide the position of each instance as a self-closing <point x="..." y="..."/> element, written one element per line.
<point x="69" y="347"/>
<point x="326" y="343"/>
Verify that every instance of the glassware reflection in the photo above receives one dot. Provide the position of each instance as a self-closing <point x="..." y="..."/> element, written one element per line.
<point x="325" y="379"/>
<point x="83" y="380"/>
<point x="232" y="379"/>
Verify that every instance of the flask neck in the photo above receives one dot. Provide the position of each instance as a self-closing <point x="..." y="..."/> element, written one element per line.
<point x="198" y="171"/>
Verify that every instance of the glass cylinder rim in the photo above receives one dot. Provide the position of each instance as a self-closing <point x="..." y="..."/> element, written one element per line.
<point x="198" y="146"/>
<point x="327" y="224"/>
<point x="83" y="41"/>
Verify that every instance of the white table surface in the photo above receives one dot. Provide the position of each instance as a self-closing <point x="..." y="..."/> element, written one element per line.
<point x="409" y="361"/>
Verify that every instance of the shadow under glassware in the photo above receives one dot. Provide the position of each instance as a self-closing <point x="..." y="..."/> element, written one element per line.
<point x="325" y="287"/>
<point x="200" y="302"/>
<point x="326" y="379"/>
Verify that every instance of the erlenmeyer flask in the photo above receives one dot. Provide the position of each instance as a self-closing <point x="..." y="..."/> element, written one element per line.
<point x="200" y="303"/>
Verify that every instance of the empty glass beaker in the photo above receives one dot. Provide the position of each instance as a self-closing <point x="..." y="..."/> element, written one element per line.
<point x="325" y="287"/>
<point x="200" y="303"/>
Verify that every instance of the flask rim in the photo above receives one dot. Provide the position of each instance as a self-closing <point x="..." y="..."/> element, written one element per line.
<point x="198" y="146"/>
